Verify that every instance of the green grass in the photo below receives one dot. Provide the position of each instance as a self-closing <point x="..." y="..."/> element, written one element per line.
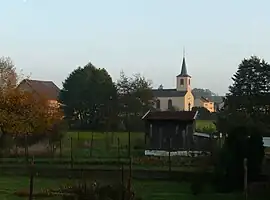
<point x="148" y="190"/>
<point x="202" y="125"/>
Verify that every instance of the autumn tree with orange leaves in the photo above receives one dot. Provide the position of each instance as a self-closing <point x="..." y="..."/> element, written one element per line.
<point x="23" y="116"/>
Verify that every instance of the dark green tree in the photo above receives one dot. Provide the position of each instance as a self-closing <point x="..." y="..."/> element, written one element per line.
<point x="135" y="99"/>
<point x="248" y="97"/>
<point x="242" y="142"/>
<point x="87" y="96"/>
<point x="245" y="119"/>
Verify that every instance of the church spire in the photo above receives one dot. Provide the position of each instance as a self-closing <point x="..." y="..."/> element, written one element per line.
<point x="184" y="67"/>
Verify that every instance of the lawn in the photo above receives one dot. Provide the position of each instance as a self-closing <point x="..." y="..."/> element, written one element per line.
<point x="205" y="125"/>
<point x="148" y="190"/>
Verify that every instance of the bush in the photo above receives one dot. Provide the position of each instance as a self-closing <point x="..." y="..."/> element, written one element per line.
<point x="85" y="191"/>
<point x="242" y="142"/>
<point x="139" y="144"/>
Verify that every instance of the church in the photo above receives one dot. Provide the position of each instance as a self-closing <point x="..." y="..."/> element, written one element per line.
<point x="180" y="98"/>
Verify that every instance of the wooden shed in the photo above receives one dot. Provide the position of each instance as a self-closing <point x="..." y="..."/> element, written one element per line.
<point x="169" y="130"/>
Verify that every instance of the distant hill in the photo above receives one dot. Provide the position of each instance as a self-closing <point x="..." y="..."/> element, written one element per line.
<point x="199" y="92"/>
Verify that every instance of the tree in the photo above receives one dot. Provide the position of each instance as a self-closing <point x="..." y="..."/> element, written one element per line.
<point x="245" y="119"/>
<point x="88" y="94"/>
<point x="242" y="142"/>
<point x="8" y="75"/>
<point x="248" y="99"/>
<point x="22" y="115"/>
<point x="26" y="118"/>
<point x="135" y="98"/>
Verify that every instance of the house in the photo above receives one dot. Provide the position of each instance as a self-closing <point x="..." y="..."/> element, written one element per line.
<point x="43" y="89"/>
<point x="206" y="103"/>
<point x="169" y="130"/>
<point x="180" y="98"/>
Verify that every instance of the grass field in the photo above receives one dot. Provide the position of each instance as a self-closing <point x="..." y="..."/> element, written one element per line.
<point x="202" y="125"/>
<point x="148" y="190"/>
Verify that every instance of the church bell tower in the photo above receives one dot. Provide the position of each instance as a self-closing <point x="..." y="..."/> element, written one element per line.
<point x="183" y="79"/>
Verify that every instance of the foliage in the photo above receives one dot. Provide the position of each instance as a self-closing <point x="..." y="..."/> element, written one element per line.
<point x="8" y="73"/>
<point x="204" y="114"/>
<point x="135" y="99"/>
<point x="88" y="95"/>
<point x="241" y="143"/>
<point x="248" y="97"/>
<point x="22" y="114"/>
<point x="205" y="126"/>
<point x="95" y="191"/>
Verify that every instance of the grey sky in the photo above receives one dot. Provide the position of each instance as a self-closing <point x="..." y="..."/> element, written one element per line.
<point x="50" y="38"/>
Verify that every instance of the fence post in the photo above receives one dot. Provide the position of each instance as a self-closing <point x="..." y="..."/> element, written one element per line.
<point x="31" y="184"/>
<point x="26" y="147"/>
<point x="245" y="178"/>
<point x="60" y="148"/>
<point x="170" y="162"/>
<point x="71" y="152"/>
<point x="118" y="149"/>
<point x="91" y="144"/>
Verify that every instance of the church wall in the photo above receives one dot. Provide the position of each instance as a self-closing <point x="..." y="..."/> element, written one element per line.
<point x="189" y="98"/>
<point x="178" y="102"/>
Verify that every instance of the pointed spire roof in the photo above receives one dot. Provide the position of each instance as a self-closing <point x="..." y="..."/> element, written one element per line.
<point x="184" y="68"/>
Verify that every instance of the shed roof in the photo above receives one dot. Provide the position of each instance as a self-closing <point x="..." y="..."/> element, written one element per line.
<point x="171" y="115"/>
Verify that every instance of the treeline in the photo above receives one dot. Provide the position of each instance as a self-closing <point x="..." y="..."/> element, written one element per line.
<point x="92" y="101"/>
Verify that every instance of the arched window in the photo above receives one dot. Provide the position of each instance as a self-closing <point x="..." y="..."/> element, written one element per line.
<point x="181" y="81"/>
<point x="169" y="104"/>
<point x="158" y="104"/>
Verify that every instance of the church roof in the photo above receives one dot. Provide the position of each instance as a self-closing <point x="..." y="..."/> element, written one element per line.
<point x="168" y="93"/>
<point x="184" y="69"/>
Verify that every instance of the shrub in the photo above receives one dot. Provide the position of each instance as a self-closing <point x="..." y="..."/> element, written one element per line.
<point x="139" y="144"/>
<point x="85" y="191"/>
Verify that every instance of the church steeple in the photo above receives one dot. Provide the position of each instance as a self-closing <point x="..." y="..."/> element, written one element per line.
<point x="184" y="67"/>
<point x="183" y="79"/>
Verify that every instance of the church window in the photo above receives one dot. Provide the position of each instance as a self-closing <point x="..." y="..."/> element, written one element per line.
<point x="169" y="104"/>
<point x="189" y="81"/>
<point x="158" y="104"/>
<point x="181" y="81"/>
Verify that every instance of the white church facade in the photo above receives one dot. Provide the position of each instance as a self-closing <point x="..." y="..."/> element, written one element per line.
<point x="180" y="98"/>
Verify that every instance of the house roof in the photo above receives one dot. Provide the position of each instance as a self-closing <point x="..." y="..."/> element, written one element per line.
<point x="204" y="99"/>
<point x="44" y="88"/>
<point x="168" y="93"/>
<point x="171" y="115"/>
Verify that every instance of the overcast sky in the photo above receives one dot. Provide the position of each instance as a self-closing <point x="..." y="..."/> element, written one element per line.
<point x="50" y="38"/>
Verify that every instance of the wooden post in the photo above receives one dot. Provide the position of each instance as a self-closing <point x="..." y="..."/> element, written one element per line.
<point x="129" y="144"/>
<point x="71" y="152"/>
<point x="118" y="149"/>
<point x="16" y="150"/>
<point x="245" y="178"/>
<point x="91" y="144"/>
<point x="170" y="162"/>
<point x="60" y="146"/>
<point x="130" y="175"/>
<point x="31" y="184"/>
<point x="26" y="147"/>
<point x="122" y="181"/>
